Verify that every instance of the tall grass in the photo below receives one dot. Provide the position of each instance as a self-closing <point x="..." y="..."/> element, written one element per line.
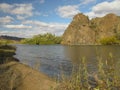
<point x="106" y="78"/>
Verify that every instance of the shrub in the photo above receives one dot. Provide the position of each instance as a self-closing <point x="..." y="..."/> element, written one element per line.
<point x="47" y="38"/>
<point x="109" y="40"/>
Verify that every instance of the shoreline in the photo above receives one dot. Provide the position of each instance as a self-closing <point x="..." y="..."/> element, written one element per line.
<point x="17" y="76"/>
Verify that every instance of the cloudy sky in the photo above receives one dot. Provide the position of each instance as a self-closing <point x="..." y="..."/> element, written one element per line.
<point x="25" y="18"/>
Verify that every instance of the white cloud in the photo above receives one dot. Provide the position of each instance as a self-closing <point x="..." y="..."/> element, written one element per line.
<point x="42" y="27"/>
<point x="5" y="7"/>
<point x="21" y="17"/>
<point x="35" y="23"/>
<point x="21" y="26"/>
<point x="42" y="1"/>
<point x="21" y="33"/>
<point x="17" y="9"/>
<point x="104" y="8"/>
<point x="45" y="15"/>
<point x="6" y="19"/>
<point x="68" y="11"/>
<point x="87" y="1"/>
<point x="43" y="24"/>
<point x="37" y="13"/>
<point x="34" y="28"/>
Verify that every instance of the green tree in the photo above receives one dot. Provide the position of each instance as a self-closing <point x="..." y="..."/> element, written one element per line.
<point x="46" y="38"/>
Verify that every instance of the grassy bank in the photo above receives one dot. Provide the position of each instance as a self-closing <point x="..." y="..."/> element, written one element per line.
<point x="106" y="78"/>
<point x="6" y="53"/>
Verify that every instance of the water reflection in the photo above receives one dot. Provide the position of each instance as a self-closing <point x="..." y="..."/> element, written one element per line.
<point x="92" y="54"/>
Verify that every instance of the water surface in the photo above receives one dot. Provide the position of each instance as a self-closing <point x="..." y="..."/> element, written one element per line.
<point x="54" y="59"/>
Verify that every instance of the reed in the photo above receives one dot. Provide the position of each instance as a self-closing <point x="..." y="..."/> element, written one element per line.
<point x="106" y="78"/>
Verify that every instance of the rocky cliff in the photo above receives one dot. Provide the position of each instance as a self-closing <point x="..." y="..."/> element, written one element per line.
<point x="83" y="31"/>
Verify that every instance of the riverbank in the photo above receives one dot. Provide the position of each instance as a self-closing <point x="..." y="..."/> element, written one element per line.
<point x="103" y="75"/>
<point x="17" y="76"/>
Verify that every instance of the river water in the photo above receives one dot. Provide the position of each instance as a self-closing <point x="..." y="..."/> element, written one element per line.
<point x="56" y="59"/>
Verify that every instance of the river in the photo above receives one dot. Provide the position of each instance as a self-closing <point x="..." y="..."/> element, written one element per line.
<point x="56" y="59"/>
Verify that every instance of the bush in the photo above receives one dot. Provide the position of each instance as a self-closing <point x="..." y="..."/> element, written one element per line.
<point x="47" y="38"/>
<point x="109" y="41"/>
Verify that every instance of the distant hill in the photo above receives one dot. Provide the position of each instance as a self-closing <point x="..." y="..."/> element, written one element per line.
<point x="10" y="38"/>
<point x="83" y="31"/>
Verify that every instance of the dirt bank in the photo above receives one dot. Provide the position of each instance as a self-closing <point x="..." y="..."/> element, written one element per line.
<point x="17" y="76"/>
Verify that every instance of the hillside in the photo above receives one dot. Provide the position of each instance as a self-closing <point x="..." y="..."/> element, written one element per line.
<point x="83" y="31"/>
<point x="10" y="38"/>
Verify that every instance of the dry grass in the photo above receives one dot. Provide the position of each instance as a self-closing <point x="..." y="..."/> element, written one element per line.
<point x="107" y="77"/>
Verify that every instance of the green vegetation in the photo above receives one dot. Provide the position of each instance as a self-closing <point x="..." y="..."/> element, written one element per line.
<point x="113" y="40"/>
<point x="5" y="42"/>
<point x="47" y="38"/>
<point x="107" y="77"/>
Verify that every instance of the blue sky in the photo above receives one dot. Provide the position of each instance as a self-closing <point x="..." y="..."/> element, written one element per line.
<point x="26" y="18"/>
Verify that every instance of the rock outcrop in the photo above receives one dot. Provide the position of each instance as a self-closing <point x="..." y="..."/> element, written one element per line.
<point x="83" y="31"/>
